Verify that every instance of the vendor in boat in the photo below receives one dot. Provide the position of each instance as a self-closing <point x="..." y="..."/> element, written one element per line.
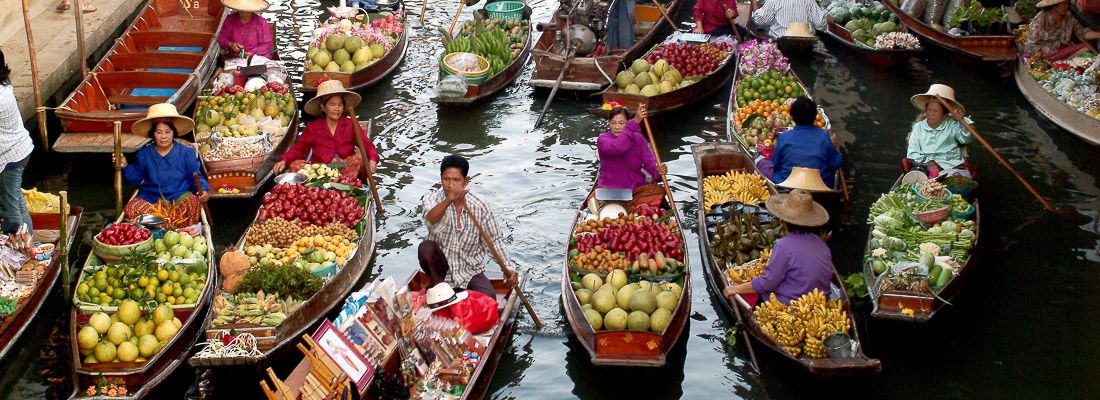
<point x="625" y="153"/>
<point x="330" y="138"/>
<point x="801" y="261"/>
<point x="777" y="15"/>
<point x="476" y="311"/>
<point x="715" y="17"/>
<point x="244" y="32"/>
<point x="936" y="142"/>
<point x="164" y="171"/>
<point x="455" y="252"/>
<point x="1053" y="31"/>
<point x="805" y="145"/>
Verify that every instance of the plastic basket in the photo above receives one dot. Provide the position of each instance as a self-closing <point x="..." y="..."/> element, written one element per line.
<point x="932" y="217"/>
<point x="916" y="190"/>
<point x="482" y="63"/>
<point x="505" y="10"/>
<point x="965" y="214"/>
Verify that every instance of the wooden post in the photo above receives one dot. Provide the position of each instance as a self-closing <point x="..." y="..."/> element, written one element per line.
<point x="63" y="242"/>
<point x="80" y="49"/>
<point x="34" y="80"/>
<point x="118" y="167"/>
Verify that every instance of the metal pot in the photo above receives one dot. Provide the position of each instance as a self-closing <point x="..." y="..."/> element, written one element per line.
<point x="840" y="345"/>
<point x="290" y="178"/>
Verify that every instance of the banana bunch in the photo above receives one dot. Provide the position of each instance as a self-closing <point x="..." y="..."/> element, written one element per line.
<point x="251" y="308"/>
<point x="458" y="45"/>
<point x="748" y="188"/>
<point x="749" y="270"/>
<point x="802" y="326"/>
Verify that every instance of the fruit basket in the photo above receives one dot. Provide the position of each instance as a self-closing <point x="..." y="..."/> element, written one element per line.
<point x="87" y="307"/>
<point x="449" y="67"/>
<point x="932" y="217"/>
<point x="112" y="254"/>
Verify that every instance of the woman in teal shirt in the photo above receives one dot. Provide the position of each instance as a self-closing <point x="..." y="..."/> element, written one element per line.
<point x="936" y="142"/>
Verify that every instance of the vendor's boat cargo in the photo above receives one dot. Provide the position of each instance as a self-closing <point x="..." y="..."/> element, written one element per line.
<point x="994" y="48"/>
<point x="358" y="51"/>
<point x="874" y="34"/>
<point x="510" y="47"/>
<point x="1083" y="124"/>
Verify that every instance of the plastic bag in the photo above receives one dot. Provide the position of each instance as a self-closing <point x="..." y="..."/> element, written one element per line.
<point x="915" y="8"/>
<point x="478" y="313"/>
<point x="452" y="86"/>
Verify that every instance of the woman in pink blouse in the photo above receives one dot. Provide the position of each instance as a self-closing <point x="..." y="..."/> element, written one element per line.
<point x="624" y="153"/>
<point x="245" y="33"/>
<point x="330" y="138"/>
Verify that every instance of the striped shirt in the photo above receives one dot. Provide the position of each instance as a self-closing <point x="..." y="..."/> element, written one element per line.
<point x="15" y="141"/>
<point x="780" y="13"/>
<point x="466" y="252"/>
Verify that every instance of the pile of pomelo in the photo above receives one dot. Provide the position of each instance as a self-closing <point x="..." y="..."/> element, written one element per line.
<point x="617" y="305"/>
<point x="126" y="335"/>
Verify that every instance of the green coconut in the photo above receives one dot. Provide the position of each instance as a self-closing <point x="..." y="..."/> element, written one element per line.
<point x="594" y="318"/>
<point x="362" y="56"/>
<point x="666" y="87"/>
<point x="632" y="89"/>
<point x="644" y="301"/>
<point x="347" y="66"/>
<point x="642" y="79"/>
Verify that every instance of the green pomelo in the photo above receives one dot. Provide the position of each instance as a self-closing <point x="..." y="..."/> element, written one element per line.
<point x="622" y="297"/>
<point x="603" y="301"/>
<point x="644" y="301"/>
<point x="592" y="282"/>
<point x="594" y="318"/>
<point x="583" y="296"/>
<point x="615" y="320"/>
<point x="659" y="320"/>
<point x="638" y="321"/>
<point x="667" y="300"/>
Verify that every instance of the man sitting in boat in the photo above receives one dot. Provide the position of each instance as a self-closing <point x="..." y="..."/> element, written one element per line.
<point x="625" y="153"/>
<point x="454" y="251"/>
<point x="936" y="142"/>
<point x="474" y="310"/>
<point x="801" y="261"/>
<point x="805" y="145"/>
<point x="164" y="170"/>
<point x="330" y="138"/>
<point x="777" y="15"/>
<point x="244" y="32"/>
<point x="1052" y="32"/>
<point x="714" y="17"/>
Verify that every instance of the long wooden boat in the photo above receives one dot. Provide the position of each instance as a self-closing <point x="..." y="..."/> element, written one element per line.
<point x="167" y="55"/>
<point x="362" y="80"/>
<point x="274" y="340"/>
<point x="716" y="158"/>
<point x="1083" y="126"/>
<point x="12" y="327"/>
<point x="625" y="348"/>
<point x="705" y="87"/>
<point x="924" y="305"/>
<point x="140" y="378"/>
<point x="972" y="47"/>
<point x="495" y="83"/>
<point x="790" y="46"/>
<point x="593" y="73"/>
<point x="880" y="57"/>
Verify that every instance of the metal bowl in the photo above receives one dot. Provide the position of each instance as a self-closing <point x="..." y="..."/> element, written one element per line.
<point x="149" y="221"/>
<point x="290" y="178"/>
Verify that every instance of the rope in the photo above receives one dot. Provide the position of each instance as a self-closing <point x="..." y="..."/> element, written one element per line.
<point x="101" y="91"/>
<point x="44" y="108"/>
<point x="184" y="4"/>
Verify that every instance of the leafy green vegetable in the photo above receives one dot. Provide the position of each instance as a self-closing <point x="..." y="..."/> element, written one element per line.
<point x="289" y="280"/>
<point x="7" y="305"/>
<point x="854" y="285"/>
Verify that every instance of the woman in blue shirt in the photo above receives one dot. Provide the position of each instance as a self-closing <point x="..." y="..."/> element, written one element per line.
<point x="164" y="170"/>
<point x="936" y="142"/>
<point x="805" y="145"/>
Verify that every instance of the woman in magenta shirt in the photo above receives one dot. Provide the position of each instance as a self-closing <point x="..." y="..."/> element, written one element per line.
<point x="624" y="152"/>
<point x="331" y="137"/>
<point x="245" y="31"/>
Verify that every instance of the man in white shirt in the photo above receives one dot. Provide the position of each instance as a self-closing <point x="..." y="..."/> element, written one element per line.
<point x="775" y="15"/>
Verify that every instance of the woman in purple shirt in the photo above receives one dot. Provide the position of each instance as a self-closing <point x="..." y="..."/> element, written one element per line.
<point x="801" y="261"/>
<point x="245" y="32"/>
<point x="624" y="152"/>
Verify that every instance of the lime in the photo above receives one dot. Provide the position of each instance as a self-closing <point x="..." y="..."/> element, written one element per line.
<point x="82" y="289"/>
<point x="177" y="291"/>
<point x="170" y="300"/>
<point x="161" y="297"/>
<point x="143" y="281"/>
<point x="162" y="274"/>
<point x="119" y="294"/>
<point x="101" y="274"/>
<point x="185" y="279"/>
<point x="101" y="283"/>
<point x="174" y="276"/>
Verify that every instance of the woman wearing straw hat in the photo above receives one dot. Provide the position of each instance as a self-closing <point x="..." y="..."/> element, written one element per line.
<point x="330" y="138"/>
<point x="801" y="261"/>
<point x="245" y="33"/>
<point x="164" y="170"/>
<point x="1051" y="33"/>
<point x="936" y="142"/>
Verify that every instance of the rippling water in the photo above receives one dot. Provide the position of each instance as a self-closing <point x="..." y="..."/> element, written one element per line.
<point x="1025" y="327"/>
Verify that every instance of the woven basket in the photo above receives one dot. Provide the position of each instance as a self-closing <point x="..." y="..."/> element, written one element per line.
<point x="114" y="254"/>
<point x="482" y="63"/>
<point x="649" y="193"/>
<point x="932" y="217"/>
<point x="237" y="164"/>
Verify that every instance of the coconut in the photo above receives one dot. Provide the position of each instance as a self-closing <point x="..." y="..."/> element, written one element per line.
<point x="644" y="284"/>
<point x="586" y="307"/>
<point x="335" y="41"/>
<point x="638" y="321"/>
<point x="100" y="322"/>
<point x="592" y="282"/>
<point x="615" y="320"/>
<point x="118" y="333"/>
<point x="644" y="301"/>
<point x="642" y="79"/>
<point x="672" y="286"/>
<point x="624" y="78"/>
<point x="650" y="91"/>
<point x="377" y="50"/>
<point x="129" y="312"/>
<point x="667" y="300"/>
<point x="639" y="66"/>
<point x="632" y="89"/>
<point x="603" y="301"/>
<point x="617" y="278"/>
<point x="659" y="320"/>
<point x="594" y="318"/>
<point x="660" y="67"/>
<point x="105" y="351"/>
<point x="127" y="352"/>
<point x="87" y="337"/>
<point x="583" y="296"/>
<point x="654" y="78"/>
<point x="315" y="68"/>
<point x="622" y="297"/>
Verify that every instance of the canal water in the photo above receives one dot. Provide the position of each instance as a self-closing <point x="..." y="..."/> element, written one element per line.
<point x="1024" y="327"/>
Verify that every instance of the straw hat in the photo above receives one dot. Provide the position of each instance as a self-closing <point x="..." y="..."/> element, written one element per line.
<point x="442" y="296"/>
<point x="247" y="5"/>
<point x="1048" y="3"/>
<point x="799" y="29"/>
<point x="920" y="101"/>
<point x="808" y="179"/>
<point x="798" y="208"/>
<point x="163" y="112"/>
<point x="328" y="88"/>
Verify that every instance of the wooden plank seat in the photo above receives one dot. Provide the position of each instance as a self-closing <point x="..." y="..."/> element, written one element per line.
<point x="152" y="40"/>
<point x="154" y="59"/>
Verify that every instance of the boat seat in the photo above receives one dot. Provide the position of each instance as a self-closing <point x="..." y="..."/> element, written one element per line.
<point x="193" y="49"/>
<point x="172" y="70"/>
<point x="129" y="99"/>
<point x="142" y="98"/>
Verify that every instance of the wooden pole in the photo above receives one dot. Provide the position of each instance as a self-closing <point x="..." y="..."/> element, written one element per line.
<point x="733" y="25"/>
<point x="205" y="207"/>
<point x="363" y="153"/>
<point x="664" y="14"/>
<point x="461" y="5"/>
<point x="63" y="242"/>
<point x="423" y="9"/>
<point x="81" y="51"/>
<point x="118" y="167"/>
<point x="34" y="80"/>
<point x="668" y="192"/>
<point x="504" y="269"/>
<point x="557" y="84"/>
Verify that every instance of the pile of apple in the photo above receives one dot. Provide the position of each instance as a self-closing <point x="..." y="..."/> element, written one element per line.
<point x="690" y="59"/>
<point x="311" y="205"/>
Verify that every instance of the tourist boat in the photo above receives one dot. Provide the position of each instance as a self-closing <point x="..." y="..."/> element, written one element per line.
<point x="478" y="91"/>
<point x="13" y="326"/>
<point x="880" y="57"/>
<point x="924" y="305"/>
<point x="624" y="347"/>
<point x="716" y="158"/>
<point x="1083" y="126"/>
<point x="996" y="48"/>
<point x="272" y="341"/>
<point x="140" y="378"/>
<point x="592" y="73"/>
<point x="167" y="55"/>
<point x="361" y="80"/>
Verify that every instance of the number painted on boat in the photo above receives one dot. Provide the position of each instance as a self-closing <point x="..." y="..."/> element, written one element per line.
<point x="194" y="5"/>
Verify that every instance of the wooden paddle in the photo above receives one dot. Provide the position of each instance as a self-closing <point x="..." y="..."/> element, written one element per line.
<point x="363" y="153"/>
<point x="461" y="5"/>
<point x="653" y="144"/>
<point x="664" y="14"/>
<point x="733" y="26"/>
<point x="33" y="53"/>
<point x="205" y="207"/>
<point x="423" y="9"/>
<point x="62" y="241"/>
<point x="744" y="334"/>
<point x="118" y="167"/>
<point x="504" y="269"/>
<point x="557" y="84"/>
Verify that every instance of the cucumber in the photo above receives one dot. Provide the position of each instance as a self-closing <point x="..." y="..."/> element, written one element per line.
<point x="945" y="276"/>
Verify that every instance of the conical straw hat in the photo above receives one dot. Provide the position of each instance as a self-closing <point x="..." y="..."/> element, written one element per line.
<point x="247" y="5"/>
<point x="328" y="88"/>
<point x="920" y="101"/>
<point x="798" y="208"/>
<point x="163" y="112"/>
<point x="808" y="179"/>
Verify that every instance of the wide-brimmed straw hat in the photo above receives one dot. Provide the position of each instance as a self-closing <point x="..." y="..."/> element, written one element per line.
<point x="442" y="295"/>
<point x="798" y="29"/>
<point x="808" y="179"/>
<point x="1048" y="3"/>
<point x="247" y="5"/>
<point x="920" y="101"/>
<point x="163" y="112"/>
<point x="328" y="88"/>
<point x="798" y="208"/>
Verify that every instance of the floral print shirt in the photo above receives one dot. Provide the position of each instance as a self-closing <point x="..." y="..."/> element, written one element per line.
<point x="1047" y="36"/>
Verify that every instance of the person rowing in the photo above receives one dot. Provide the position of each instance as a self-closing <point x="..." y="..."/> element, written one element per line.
<point x="626" y="160"/>
<point x="936" y="143"/>
<point x="805" y="146"/>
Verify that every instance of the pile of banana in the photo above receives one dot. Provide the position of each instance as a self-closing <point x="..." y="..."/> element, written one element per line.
<point x="739" y="186"/>
<point x="801" y="326"/>
<point x="251" y="308"/>
<point x="747" y="271"/>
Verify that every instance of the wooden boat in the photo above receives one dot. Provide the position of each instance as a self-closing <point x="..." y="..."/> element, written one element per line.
<point x="889" y="304"/>
<point x="971" y="47"/>
<point x="12" y="327"/>
<point x="167" y="55"/>
<point x="495" y="83"/>
<point x="594" y="72"/>
<point x="273" y="340"/>
<point x="625" y="348"/>
<point x="676" y="99"/>
<point x="880" y="57"/>
<point x="790" y="46"/>
<point x="363" y="79"/>
<point x="482" y="376"/>
<point x="140" y="378"/>
<point x="715" y="158"/>
<point x="1083" y="126"/>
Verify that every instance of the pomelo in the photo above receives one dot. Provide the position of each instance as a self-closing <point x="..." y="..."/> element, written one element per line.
<point x="143" y="327"/>
<point x="594" y="318"/>
<point x="592" y="282"/>
<point x="377" y="50"/>
<point x="165" y="331"/>
<point x="622" y="297"/>
<point x="347" y="66"/>
<point x="332" y="67"/>
<point x="644" y="301"/>
<point x="638" y="321"/>
<point x="617" y="278"/>
<point x="624" y="78"/>
<point x="667" y="300"/>
<point x="105" y="351"/>
<point x="335" y="41"/>
<point x="353" y="44"/>
<point x="162" y="313"/>
<point x="87" y="337"/>
<point x="583" y="296"/>
<point x="362" y="55"/>
<point x="129" y="312"/>
<point x="100" y="322"/>
<point x="603" y="301"/>
<point x="645" y="284"/>
<point x="171" y="238"/>
<point x="639" y="66"/>
<point x="672" y="286"/>
<point x="90" y="359"/>
<point x="147" y="345"/>
<point x="659" y="320"/>
<point x="341" y="56"/>
<point x="118" y="333"/>
<point x="187" y="240"/>
<point x="127" y="352"/>
<point x="615" y="320"/>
